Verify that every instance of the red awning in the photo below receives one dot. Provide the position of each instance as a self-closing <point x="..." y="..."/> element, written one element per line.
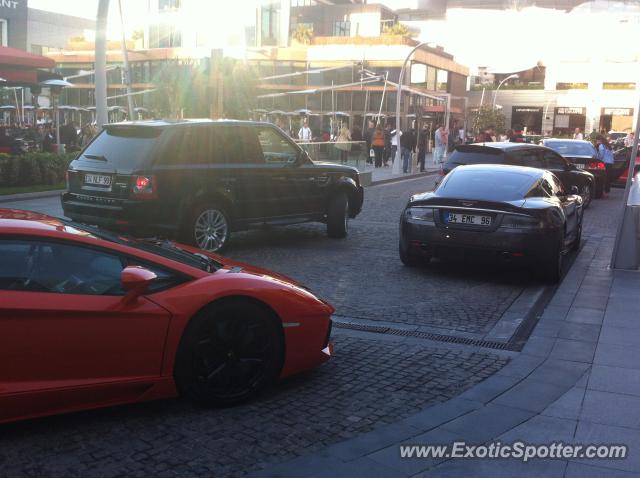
<point x="12" y="57"/>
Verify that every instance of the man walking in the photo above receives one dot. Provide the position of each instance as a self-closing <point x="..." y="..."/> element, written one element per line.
<point x="408" y="145"/>
<point x="305" y="132"/>
<point x="440" y="143"/>
<point x="577" y="134"/>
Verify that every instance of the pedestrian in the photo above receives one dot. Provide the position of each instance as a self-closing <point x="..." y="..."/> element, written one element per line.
<point x="305" y="132"/>
<point x="486" y="136"/>
<point x="377" y="144"/>
<point x="395" y="143"/>
<point x="628" y="140"/>
<point x="577" y="134"/>
<point x="343" y="143"/>
<point x="387" y="145"/>
<point x="439" y="139"/>
<point x="368" y="135"/>
<point x="423" y="143"/>
<point x="408" y="147"/>
<point x="606" y="156"/>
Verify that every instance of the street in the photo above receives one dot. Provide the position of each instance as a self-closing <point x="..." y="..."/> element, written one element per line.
<point x="378" y="375"/>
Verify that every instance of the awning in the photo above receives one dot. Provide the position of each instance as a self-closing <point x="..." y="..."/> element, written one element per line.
<point x="13" y="57"/>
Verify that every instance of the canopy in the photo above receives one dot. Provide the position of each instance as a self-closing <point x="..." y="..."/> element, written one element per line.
<point x="12" y="57"/>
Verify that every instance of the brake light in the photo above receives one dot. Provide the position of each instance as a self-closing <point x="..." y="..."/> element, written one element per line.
<point x="596" y="165"/>
<point x="145" y="188"/>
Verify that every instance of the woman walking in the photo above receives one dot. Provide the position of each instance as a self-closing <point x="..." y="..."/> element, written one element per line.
<point x="377" y="143"/>
<point x="343" y="143"/>
<point x="606" y="156"/>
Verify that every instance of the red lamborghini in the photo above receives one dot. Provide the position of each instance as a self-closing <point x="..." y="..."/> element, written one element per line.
<point x="90" y="319"/>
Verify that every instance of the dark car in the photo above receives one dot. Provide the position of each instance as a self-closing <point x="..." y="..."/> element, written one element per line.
<point x="583" y="155"/>
<point x="507" y="212"/>
<point x="199" y="180"/>
<point x="529" y="155"/>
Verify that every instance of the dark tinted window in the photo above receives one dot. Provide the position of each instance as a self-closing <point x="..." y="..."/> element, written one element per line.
<point x="547" y="190"/>
<point x="531" y="159"/>
<point x="192" y="145"/>
<point x="554" y="161"/>
<point x="123" y="147"/>
<point x="275" y="147"/>
<point x="55" y="267"/>
<point x="458" y="158"/>
<point x="489" y="185"/>
<point x="569" y="148"/>
<point x="556" y="185"/>
<point x="242" y="145"/>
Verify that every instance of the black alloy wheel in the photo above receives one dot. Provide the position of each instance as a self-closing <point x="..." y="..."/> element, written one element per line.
<point x="229" y="353"/>
<point x="587" y="195"/>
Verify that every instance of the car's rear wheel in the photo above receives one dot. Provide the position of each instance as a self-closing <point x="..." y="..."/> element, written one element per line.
<point x="407" y="258"/>
<point x="576" y="243"/>
<point x="551" y="268"/>
<point x="338" y="216"/>
<point x="599" y="189"/>
<point x="209" y="228"/>
<point x="228" y="353"/>
<point x="587" y="194"/>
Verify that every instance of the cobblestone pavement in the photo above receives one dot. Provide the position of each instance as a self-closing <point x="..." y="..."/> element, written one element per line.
<point x="350" y="395"/>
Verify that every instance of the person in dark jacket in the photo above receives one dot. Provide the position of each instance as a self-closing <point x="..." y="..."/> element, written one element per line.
<point x="423" y="142"/>
<point x="408" y="146"/>
<point x="368" y="136"/>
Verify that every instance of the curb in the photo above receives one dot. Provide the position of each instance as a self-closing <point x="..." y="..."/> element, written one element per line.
<point x="25" y="196"/>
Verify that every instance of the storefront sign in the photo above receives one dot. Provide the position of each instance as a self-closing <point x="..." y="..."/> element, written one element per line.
<point x="526" y="109"/>
<point x="617" y="111"/>
<point x="9" y="4"/>
<point x="569" y="111"/>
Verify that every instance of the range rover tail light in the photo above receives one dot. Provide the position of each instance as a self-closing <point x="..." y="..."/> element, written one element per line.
<point x="145" y="187"/>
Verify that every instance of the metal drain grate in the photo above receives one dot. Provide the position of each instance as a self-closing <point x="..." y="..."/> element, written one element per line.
<point x="379" y="329"/>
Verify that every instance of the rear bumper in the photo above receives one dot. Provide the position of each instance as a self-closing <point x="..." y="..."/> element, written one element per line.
<point x="511" y="244"/>
<point x="138" y="216"/>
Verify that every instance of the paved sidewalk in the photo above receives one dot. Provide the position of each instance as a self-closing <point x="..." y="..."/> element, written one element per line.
<point x="576" y="380"/>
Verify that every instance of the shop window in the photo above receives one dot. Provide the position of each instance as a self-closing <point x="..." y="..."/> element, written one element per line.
<point x="341" y="29"/>
<point x="572" y="86"/>
<point x="169" y="4"/>
<point x="442" y="81"/>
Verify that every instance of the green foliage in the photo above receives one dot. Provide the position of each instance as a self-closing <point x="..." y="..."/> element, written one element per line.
<point x="33" y="169"/>
<point x="303" y="33"/>
<point x="397" y="29"/>
<point x="137" y="34"/>
<point x="486" y="117"/>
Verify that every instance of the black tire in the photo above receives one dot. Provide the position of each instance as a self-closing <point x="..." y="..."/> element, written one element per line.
<point x="408" y="259"/>
<point x="587" y="194"/>
<point x="208" y="228"/>
<point x="338" y="216"/>
<point x="551" y="269"/>
<point x="599" y="189"/>
<point x="228" y="353"/>
<point x="576" y="243"/>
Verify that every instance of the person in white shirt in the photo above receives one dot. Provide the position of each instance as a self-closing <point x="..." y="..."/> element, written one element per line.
<point x="577" y="134"/>
<point x="628" y="140"/>
<point x="395" y="143"/>
<point x="305" y="132"/>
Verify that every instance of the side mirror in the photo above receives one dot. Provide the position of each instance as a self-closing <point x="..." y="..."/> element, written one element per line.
<point x="574" y="190"/>
<point x="135" y="280"/>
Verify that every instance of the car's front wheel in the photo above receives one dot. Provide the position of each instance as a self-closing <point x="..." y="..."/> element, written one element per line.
<point x="338" y="216"/>
<point x="228" y="353"/>
<point x="209" y="228"/>
<point x="551" y="267"/>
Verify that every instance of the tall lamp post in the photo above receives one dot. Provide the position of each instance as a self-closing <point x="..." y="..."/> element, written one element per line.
<point x="396" y="163"/>
<point x="101" y="63"/>
<point x="495" y="94"/>
<point x="55" y="86"/>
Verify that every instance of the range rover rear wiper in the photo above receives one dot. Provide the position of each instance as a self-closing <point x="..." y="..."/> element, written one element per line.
<point x="99" y="157"/>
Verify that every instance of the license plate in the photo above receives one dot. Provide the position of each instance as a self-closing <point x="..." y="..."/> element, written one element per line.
<point x="468" y="219"/>
<point x="97" y="179"/>
<point x="579" y="166"/>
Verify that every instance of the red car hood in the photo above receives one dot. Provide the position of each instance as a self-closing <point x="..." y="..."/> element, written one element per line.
<point x="229" y="264"/>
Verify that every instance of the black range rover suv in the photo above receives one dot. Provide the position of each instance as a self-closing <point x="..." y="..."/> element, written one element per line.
<point x="199" y="180"/>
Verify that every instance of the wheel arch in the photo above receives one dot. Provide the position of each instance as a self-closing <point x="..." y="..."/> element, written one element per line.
<point x="348" y="185"/>
<point x="202" y="197"/>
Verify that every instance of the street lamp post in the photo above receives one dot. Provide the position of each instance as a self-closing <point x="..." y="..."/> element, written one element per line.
<point x="495" y="94"/>
<point x="101" y="64"/>
<point x="396" y="163"/>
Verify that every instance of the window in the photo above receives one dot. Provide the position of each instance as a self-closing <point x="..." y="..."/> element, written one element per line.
<point x="341" y="29"/>
<point x="442" y="82"/>
<point x="556" y="186"/>
<point x="276" y="148"/>
<point x="618" y="86"/>
<point x="193" y="145"/>
<point x="169" y="4"/>
<point x="554" y="161"/>
<point x="303" y="3"/>
<point x="39" y="266"/>
<point x="270" y="23"/>
<point x="530" y="159"/>
<point x="572" y="86"/>
<point x="547" y="190"/>
<point x="4" y="32"/>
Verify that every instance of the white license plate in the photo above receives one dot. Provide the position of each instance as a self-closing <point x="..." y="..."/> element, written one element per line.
<point x="471" y="220"/>
<point x="97" y="179"/>
<point x="579" y="166"/>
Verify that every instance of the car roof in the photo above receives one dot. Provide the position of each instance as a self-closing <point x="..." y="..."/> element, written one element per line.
<point x="534" y="173"/>
<point x="496" y="146"/>
<point x="169" y="123"/>
<point x="565" y="140"/>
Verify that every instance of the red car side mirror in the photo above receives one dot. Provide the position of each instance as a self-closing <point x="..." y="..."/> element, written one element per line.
<point x="135" y="280"/>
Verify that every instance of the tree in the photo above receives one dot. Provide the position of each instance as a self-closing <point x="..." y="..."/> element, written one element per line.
<point x="487" y="116"/>
<point x="397" y="29"/>
<point x="303" y="33"/>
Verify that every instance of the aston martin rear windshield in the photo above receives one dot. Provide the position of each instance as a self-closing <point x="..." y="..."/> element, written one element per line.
<point x="487" y="185"/>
